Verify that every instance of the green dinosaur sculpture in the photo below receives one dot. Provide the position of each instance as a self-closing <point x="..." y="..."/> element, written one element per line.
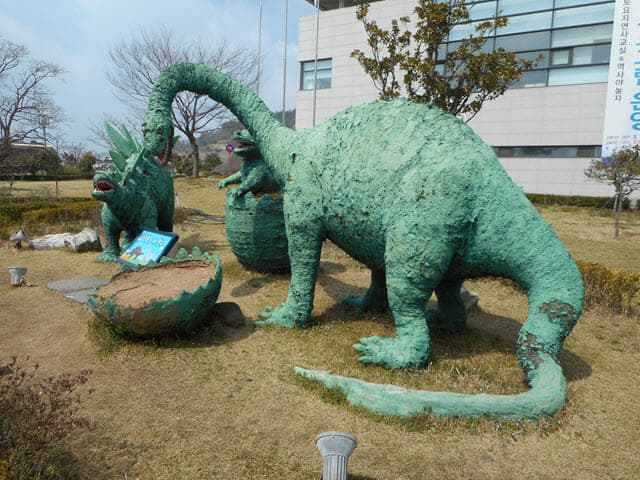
<point x="415" y="195"/>
<point x="254" y="176"/>
<point x="138" y="193"/>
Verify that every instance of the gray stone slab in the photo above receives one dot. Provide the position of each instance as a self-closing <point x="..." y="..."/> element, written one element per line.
<point x="80" y="296"/>
<point x="77" y="284"/>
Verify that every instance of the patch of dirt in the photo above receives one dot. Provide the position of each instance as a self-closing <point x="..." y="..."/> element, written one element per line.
<point x="148" y="284"/>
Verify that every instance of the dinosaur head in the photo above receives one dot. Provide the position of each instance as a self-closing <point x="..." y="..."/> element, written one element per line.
<point x="106" y="186"/>
<point x="247" y="148"/>
<point x="157" y="131"/>
<point x="110" y="187"/>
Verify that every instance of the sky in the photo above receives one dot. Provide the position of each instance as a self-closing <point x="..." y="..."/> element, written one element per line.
<point x="77" y="35"/>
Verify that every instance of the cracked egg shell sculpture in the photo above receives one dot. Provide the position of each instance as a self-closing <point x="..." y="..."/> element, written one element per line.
<point x="256" y="231"/>
<point x="172" y="296"/>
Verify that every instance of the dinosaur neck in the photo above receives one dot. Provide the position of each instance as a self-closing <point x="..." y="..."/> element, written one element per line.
<point x="270" y="135"/>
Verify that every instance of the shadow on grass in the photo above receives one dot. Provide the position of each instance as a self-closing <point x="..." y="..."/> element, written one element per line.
<point x="484" y="333"/>
<point x="206" y="245"/>
<point x="211" y="332"/>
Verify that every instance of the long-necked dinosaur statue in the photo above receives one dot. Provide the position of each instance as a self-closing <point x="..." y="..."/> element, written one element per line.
<point x="415" y="195"/>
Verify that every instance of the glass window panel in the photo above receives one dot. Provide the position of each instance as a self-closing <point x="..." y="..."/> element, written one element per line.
<point x="577" y="75"/>
<point x="526" y="41"/>
<point x="591" y="54"/>
<point x="308" y="74"/>
<point x="582" y="35"/>
<point x="561" y="57"/>
<point x="310" y="65"/>
<point x="583" y="15"/>
<point x="533" y="56"/>
<point x="572" y="3"/>
<point x="482" y="10"/>
<point x="532" y="78"/>
<point x="465" y="30"/>
<point x="511" y="7"/>
<point x="442" y="51"/>
<point x="486" y="48"/>
<point x="527" y="23"/>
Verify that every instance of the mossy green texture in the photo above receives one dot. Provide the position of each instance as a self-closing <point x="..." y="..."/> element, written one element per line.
<point x="138" y="194"/>
<point x="180" y="314"/>
<point x="415" y="195"/>
<point x="256" y="231"/>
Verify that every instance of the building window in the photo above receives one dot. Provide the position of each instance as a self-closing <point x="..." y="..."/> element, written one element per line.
<point x="573" y="37"/>
<point x="556" y="151"/>
<point x="308" y="74"/>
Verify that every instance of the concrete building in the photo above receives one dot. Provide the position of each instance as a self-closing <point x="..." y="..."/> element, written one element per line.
<point x="545" y="130"/>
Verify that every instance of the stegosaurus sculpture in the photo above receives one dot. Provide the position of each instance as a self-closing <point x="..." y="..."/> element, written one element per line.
<point x="415" y="195"/>
<point x="138" y="194"/>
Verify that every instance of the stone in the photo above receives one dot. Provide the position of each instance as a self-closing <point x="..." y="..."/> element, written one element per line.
<point x="77" y="284"/>
<point x="85" y="241"/>
<point x="81" y="296"/>
<point x="230" y="314"/>
<point x="469" y="298"/>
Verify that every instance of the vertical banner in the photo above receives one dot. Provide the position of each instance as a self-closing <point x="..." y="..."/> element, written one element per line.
<point x="622" y="114"/>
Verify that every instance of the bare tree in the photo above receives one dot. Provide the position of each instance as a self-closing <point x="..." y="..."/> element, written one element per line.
<point x="72" y="153"/>
<point x="26" y="106"/>
<point x="136" y="64"/>
<point x="622" y="171"/>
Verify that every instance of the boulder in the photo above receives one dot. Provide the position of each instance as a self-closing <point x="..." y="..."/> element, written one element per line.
<point x="85" y="241"/>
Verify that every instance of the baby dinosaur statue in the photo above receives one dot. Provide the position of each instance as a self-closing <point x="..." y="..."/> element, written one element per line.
<point x="137" y="193"/>
<point x="414" y="194"/>
<point x="254" y="175"/>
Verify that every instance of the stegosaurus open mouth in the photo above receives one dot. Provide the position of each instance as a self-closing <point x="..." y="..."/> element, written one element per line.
<point x="103" y="186"/>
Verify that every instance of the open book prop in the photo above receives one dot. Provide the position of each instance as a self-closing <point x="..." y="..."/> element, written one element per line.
<point x="148" y="247"/>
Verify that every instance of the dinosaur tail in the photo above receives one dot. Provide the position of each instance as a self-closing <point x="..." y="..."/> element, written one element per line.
<point x="554" y="287"/>
<point x="546" y="397"/>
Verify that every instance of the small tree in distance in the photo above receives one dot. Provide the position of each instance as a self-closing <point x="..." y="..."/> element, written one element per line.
<point x="622" y="171"/>
<point x="408" y="58"/>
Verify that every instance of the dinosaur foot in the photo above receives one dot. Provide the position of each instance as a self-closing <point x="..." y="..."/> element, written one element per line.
<point x="281" y="315"/>
<point x="107" y="257"/>
<point x="396" y="352"/>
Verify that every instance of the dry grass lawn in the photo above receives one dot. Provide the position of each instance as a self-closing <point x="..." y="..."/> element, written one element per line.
<point x="224" y="404"/>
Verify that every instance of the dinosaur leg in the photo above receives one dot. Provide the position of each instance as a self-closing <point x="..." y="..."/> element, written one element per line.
<point x="112" y="230"/>
<point x="305" y="244"/>
<point x="451" y="314"/>
<point x="412" y="276"/>
<point x="376" y="296"/>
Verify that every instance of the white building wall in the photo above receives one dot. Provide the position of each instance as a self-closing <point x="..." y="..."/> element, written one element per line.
<point x="541" y="116"/>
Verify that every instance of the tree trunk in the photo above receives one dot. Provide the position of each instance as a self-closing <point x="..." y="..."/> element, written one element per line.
<point x="195" y="152"/>
<point x="618" y="212"/>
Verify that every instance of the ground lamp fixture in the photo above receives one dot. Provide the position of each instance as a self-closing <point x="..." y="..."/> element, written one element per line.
<point x="336" y="448"/>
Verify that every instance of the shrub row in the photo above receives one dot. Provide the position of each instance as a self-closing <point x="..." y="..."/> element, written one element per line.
<point x="607" y="288"/>
<point x="575" y="201"/>
<point x="603" y="287"/>
<point x="17" y="210"/>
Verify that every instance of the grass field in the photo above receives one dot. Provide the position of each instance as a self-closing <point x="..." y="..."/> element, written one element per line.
<point x="224" y="404"/>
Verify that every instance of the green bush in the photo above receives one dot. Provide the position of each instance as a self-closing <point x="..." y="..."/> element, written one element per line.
<point x="35" y="416"/>
<point x="575" y="201"/>
<point x="19" y="212"/>
<point x="607" y="288"/>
